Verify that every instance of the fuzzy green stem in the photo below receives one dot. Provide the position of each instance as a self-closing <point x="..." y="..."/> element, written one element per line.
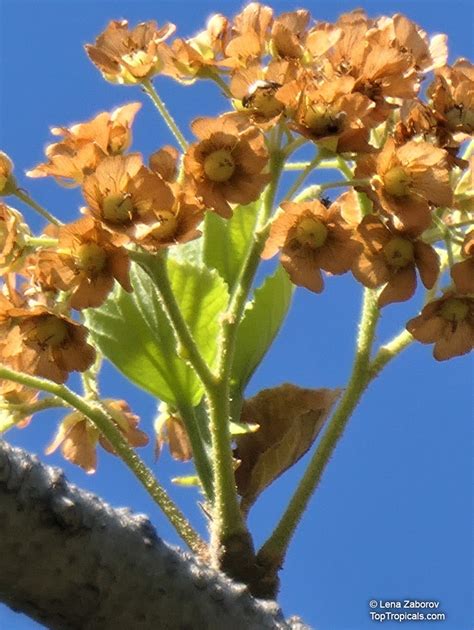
<point x="159" y="274"/>
<point x="200" y="458"/>
<point x="100" y="418"/>
<point x="274" y="550"/>
<point x="302" y="176"/>
<point x="23" y="196"/>
<point x="161" y="107"/>
<point x="41" y="241"/>
<point x="389" y="351"/>
<point x="230" y="520"/>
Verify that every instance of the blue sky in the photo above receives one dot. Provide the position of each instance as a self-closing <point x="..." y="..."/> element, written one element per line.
<point x="391" y="519"/>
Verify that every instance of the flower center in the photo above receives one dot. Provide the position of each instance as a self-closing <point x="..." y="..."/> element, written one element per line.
<point x="399" y="252"/>
<point x="166" y="225"/>
<point x="311" y="232"/>
<point x="454" y="310"/>
<point x="50" y="331"/>
<point x="91" y="259"/>
<point x="136" y="58"/>
<point x="397" y="182"/>
<point x="321" y="120"/>
<point x="117" y="208"/>
<point x="219" y="165"/>
<point x="264" y="102"/>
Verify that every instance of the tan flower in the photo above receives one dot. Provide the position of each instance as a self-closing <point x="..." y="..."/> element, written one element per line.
<point x="53" y="345"/>
<point x="452" y="95"/>
<point x="172" y="225"/>
<point x="86" y="263"/>
<point x="407" y="180"/>
<point x="78" y="437"/>
<point x="126" y="55"/>
<point x="400" y="32"/>
<point x="225" y="166"/>
<point x="448" y="322"/>
<point x="257" y="90"/>
<point x="288" y="34"/>
<point x="84" y="145"/>
<point x="380" y="70"/>
<point x="248" y="35"/>
<point x="13" y="233"/>
<point x="311" y="237"/>
<point x="188" y="59"/>
<point x="170" y="430"/>
<point x="164" y="161"/>
<point x="462" y="272"/>
<point x="7" y="181"/>
<point x="329" y="112"/>
<point x="122" y="193"/>
<point x="391" y="257"/>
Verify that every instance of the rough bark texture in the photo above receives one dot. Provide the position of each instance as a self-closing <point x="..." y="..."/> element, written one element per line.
<point x="70" y="561"/>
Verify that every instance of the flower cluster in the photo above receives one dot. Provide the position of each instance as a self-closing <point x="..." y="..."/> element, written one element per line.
<point x="348" y="89"/>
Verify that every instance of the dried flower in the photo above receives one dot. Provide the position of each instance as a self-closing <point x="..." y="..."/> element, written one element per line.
<point x="84" y="145"/>
<point x="391" y="257"/>
<point x="226" y="165"/>
<point x="126" y="55"/>
<point x="86" y="263"/>
<point x="448" y="322"/>
<point x="312" y="237"/>
<point x="462" y="272"/>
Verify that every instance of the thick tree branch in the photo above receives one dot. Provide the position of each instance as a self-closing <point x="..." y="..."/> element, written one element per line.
<point x="70" y="561"/>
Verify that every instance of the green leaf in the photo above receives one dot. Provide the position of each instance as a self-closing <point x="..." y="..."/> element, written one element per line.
<point x="134" y="333"/>
<point x="263" y="317"/>
<point x="226" y="241"/>
<point x="143" y="349"/>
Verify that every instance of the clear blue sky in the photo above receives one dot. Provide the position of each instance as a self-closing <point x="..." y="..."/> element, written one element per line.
<point x="392" y="517"/>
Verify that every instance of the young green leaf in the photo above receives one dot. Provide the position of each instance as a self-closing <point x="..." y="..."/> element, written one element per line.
<point x="226" y="241"/>
<point x="262" y="320"/>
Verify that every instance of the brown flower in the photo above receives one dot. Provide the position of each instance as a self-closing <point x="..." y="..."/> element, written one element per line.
<point x="329" y="112"/>
<point x="407" y="180"/>
<point x="164" y="161"/>
<point x="311" y="237"/>
<point x="288" y="34"/>
<point x="126" y="55"/>
<point x="84" y="145"/>
<point x="226" y="165"/>
<point x="78" y="437"/>
<point x="448" y="322"/>
<point x="7" y="181"/>
<point x="13" y="233"/>
<point x="248" y="35"/>
<point x="452" y="95"/>
<point x="53" y="345"/>
<point x="122" y="193"/>
<point x="257" y="90"/>
<point x="86" y="262"/>
<point x="462" y="272"/>
<point x="391" y="257"/>
<point x="188" y="59"/>
<point x="169" y="429"/>
<point x="171" y="225"/>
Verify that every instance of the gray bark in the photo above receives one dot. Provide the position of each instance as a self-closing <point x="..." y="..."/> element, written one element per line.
<point x="70" y="561"/>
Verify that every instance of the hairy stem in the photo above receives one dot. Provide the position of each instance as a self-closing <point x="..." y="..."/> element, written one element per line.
<point x="161" y="107"/>
<point x="24" y="196"/>
<point x="274" y="549"/>
<point x="101" y="419"/>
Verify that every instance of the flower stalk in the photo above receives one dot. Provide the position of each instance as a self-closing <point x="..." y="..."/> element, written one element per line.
<point x="167" y="117"/>
<point x="99" y="417"/>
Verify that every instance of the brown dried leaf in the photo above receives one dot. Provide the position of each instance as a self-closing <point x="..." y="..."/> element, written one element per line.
<point x="290" y="418"/>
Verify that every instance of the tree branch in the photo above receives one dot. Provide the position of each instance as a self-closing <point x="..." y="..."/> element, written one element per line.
<point x="70" y="561"/>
